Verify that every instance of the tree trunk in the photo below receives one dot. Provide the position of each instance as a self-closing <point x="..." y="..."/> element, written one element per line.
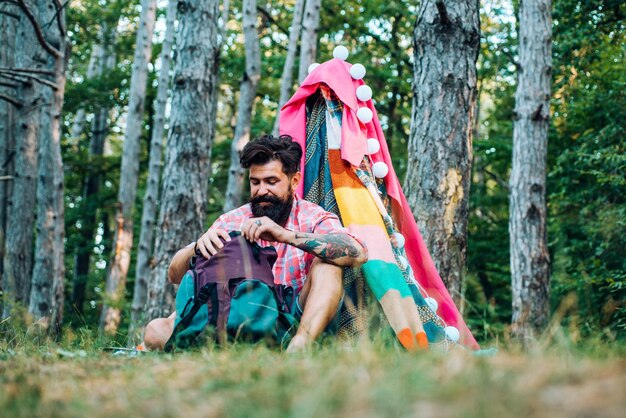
<point x="149" y="215"/>
<point x="188" y="150"/>
<point x="247" y="95"/>
<point x="105" y="61"/>
<point x="95" y="60"/>
<point x="18" y="256"/>
<point x="224" y="17"/>
<point x="530" y="261"/>
<point x="120" y="260"/>
<point x="46" y="297"/>
<point x="286" y="81"/>
<point x="7" y="111"/>
<point x="446" y="43"/>
<point x="308" y="46"/>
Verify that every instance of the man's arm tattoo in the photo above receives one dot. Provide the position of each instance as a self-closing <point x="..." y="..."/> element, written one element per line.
<point x="327" y="247"/>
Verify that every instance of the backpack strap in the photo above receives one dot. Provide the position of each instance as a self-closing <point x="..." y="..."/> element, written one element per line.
<point x="208" y="290"/>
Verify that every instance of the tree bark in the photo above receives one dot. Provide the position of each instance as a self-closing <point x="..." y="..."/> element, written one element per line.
<point x="46" y="297"/>
<point x="123" y="242"/>
<point x="530" y="261"/>
<point x="18" y="256"/>
<point x="308" y="46"/>
<point x="7" y="111"/>
<point x="446" y="43"/>
<point x="286" y="81"/>
<point x="188" y="150"/>
<point x="149" y="215"/>
<point x="247" y="95"/>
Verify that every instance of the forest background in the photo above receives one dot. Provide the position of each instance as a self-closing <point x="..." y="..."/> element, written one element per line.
<point x="586" y="185"/>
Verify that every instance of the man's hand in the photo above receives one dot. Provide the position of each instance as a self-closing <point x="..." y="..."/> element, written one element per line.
<point x="263" y="228"/>
<point x="211" y="242"/>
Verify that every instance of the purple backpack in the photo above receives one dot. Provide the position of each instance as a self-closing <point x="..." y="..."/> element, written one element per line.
<point x="232" y="296"/>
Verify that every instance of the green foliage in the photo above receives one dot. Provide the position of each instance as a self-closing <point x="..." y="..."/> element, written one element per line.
<point x="586" y="162"/>
<point x="587" y="182"/>
<point x="88" y="23"/>
<point x="379" y="36"/>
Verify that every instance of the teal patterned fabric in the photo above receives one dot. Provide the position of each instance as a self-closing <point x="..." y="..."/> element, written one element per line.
<point x="318" y="189"/>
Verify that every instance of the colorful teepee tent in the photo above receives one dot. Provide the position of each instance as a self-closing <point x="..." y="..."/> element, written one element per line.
<point x="348" y="170"/>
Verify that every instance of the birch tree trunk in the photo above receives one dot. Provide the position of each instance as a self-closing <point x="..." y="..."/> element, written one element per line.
<point x="247" y="95"/>
<point x="446" y="41"/>
<point x="308" y="46"/>
<point x="46" y="296"/>
<point x="149" y="215"/>
<point x="18" y="256"/>
<point x="105" y="61"/>
<point x="95" y="60"/>
<point x="123" y="242"/>
<point x="286" y="81"/>
<point x="7" y="110"/>
<point x="188" y="150"/>
<point x="222" y="37"/>
<point x="530" y="261"/>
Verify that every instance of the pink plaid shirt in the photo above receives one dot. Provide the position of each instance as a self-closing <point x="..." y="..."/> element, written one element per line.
<point x="292" y="264"/>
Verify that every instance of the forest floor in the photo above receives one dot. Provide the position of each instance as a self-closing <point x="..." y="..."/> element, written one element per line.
<point x="371" y="380"/>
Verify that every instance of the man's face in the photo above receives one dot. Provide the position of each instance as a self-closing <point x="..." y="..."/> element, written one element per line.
<point x="271" y="191"/>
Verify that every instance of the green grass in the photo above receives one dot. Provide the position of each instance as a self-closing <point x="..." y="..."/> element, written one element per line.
<point x="76" y="378"/>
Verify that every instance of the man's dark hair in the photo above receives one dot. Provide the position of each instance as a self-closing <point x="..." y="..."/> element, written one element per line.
<point x="267" y="148"/>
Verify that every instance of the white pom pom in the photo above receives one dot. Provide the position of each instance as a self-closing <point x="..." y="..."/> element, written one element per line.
<point x="399" y="239"/>
<point x="380" y="169"/>
<point x="364" y="92"/>
<point x="364" y="114"/>
<point x="357" y="71"/>
<point x="341" y="52"/>
<point x="404" y="263"/>
<point x="312" y="67"/>
<point x="373" y="146"/>
<point x="452" y="333"/>
<point x="432" y="304"/>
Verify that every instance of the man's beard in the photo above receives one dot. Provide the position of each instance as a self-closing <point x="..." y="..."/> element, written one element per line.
<point x="277" y="209"/>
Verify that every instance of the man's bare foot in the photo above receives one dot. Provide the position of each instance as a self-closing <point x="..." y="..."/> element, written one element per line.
<point x="298" y="344"/>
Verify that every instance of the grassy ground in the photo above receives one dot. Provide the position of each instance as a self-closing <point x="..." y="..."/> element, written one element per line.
<point x="78" y="379"/>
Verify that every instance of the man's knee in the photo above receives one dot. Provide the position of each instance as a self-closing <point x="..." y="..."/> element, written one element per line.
<point x="321" y="270"/>
<point x="157" y="332"/>
<point x="325" y="280"/>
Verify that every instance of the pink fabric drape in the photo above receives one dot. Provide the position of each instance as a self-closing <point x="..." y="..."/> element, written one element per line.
<point x="335" y="74"/>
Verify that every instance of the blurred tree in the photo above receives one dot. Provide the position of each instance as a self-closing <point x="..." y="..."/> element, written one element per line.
<point x="530" y="261"/>
<point x="488" y="290"/>
<point x="286" y="80"/>
<point x="124" y="232"/>
<point x="308" y="43"/>
<point x="247" y="100"/>
<point x="92" y="158"/>
<point x="150" y="200"/>
<point x="103" y="59"/>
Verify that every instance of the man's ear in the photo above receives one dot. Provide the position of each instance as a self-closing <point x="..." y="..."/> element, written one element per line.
<point x="295" y="180"/>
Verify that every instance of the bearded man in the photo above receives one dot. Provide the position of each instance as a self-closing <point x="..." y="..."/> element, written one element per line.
<point x="312" y="245"/>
